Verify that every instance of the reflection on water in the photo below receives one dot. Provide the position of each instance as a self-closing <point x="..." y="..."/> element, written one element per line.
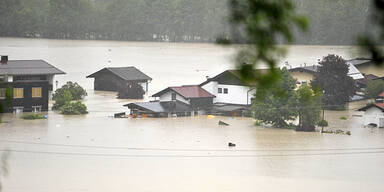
<point x="131" y="154"/>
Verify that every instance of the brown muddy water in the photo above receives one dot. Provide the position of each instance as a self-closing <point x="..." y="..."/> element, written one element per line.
<point x="95" y="152"/>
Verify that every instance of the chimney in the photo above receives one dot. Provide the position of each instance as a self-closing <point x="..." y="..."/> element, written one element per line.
<point x="4" y="59"/>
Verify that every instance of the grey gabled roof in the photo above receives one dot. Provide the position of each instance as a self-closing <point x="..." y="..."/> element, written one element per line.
<point x="160" y="106"/>
<point x="28" y="67"/>
<point x="126" y="73"/>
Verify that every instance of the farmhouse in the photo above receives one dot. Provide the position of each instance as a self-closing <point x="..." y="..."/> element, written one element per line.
<point x="305" y="74"/>
<point x="129" y="82"/>
<point x="224" y="94"/>
<point x="374" y="112"/>
<point x="228" y="88"/>
<point x="182" y="100"/>
<point x="26" y="85"/>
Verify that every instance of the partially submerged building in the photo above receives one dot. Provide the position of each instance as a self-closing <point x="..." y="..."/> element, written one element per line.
<point x="25" y="85"/>
<point x="374" y="112"/>
<point x="305" y="74"/>
<point x="180" y="101"/>
<point x="129" y="82"/>
<point x="223" y="94"/>
<point x="228" y="88"/>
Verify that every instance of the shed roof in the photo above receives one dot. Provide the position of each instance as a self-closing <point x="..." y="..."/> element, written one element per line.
<point x="352" y="70"/>
<point x="126" y="73"/>
<point x="377" y="105"/>
<point x="360" y="61"/>
<point x="187" y="91"/>
<point x="231" y="77"/>
<point x="160" y="107"/>
<point x="28" y="67"/>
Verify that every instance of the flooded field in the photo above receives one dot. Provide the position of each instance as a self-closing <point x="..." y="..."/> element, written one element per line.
<point x="96" y="153"/>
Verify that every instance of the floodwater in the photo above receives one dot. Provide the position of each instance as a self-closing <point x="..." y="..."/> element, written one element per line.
<point x="96" y="153"/>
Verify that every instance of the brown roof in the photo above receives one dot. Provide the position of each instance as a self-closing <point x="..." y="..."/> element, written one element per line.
<point x="187" y="91"/>
<point x="377" y="105"/>
<point x="381" y="94"/>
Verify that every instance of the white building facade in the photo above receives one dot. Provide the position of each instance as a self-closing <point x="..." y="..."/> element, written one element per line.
<point x="229" y="89"/>
<point x="373" y="114"/>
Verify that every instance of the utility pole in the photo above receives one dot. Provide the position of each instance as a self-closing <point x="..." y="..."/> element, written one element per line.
<point x="322" y="123"/>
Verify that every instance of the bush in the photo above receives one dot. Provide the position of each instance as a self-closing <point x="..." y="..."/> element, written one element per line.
<point x="374" y="88"/>
<point x="74" y="108"/>
<point x="77" y="92"/>
<point x="322" y="123"/>
<point x="62" y="98"/>
<point x="343" y="118"/>
<point x="32" y="116"/>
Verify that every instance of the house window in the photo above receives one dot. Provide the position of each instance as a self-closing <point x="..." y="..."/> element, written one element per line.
<point x="36" y="92"/>
<point x="219" y="90"/>
<point x="18" y="93"/>
<point x="225" y="91"/>
<point x="173" y="96"/>
<point x="2" y="93"/>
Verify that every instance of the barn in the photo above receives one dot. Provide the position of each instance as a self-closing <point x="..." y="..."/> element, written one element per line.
<point x="129" y="82"/>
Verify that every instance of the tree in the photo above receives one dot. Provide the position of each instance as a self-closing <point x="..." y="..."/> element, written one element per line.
<point x="309" y="108"/>
<point x="276" y="105"/>
<point x="64" y="96"/>
<point x="332" y="78"/>
<point x="374" y="88"/>
<point x="61" y="98"/>
<point x="77" y="92"/>
<point x="261" y="24"/>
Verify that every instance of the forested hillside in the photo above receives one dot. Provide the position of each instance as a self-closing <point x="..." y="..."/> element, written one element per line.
<point x="332" y="21"/>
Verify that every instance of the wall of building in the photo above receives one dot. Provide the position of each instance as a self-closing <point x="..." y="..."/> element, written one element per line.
<point x="27" y="101"/>
<point x="201" y="103"/>
<point x="105" y="81"/>
<point x="236" y="94"/>
<point x="373" y="115"/>
<point x="168" y="97"/>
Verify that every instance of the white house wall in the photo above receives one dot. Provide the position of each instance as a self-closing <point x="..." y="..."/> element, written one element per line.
<point x="236" y="94"/>
<point x="168" y="97"/>
<point x="373" y="115"/>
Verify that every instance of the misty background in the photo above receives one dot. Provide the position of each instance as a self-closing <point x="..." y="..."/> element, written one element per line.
<point x="332" y="22"/>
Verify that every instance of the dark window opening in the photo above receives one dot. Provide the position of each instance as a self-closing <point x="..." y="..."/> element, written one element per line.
<point x="225" y="91"/>
<point x="219" y="90"/>
<point x="173" y="96"/>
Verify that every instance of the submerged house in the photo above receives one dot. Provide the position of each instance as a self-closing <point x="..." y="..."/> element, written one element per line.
<point x="229" y="89"/>
<point x="223" y="94"/>
<point x="305" y="74"/>
<point x="129" y="82"/>
<point x="183" y="100"/>
<point x="374" y="112"/>
<point x="26" y="85"/>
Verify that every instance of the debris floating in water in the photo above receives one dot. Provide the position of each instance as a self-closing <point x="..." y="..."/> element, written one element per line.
<point x="223" y="123"/>
<point x="210" y="116"/>
<point x="231" y="144"/>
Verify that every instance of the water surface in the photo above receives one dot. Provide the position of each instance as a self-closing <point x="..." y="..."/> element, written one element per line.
<point x="95" y="152"/>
